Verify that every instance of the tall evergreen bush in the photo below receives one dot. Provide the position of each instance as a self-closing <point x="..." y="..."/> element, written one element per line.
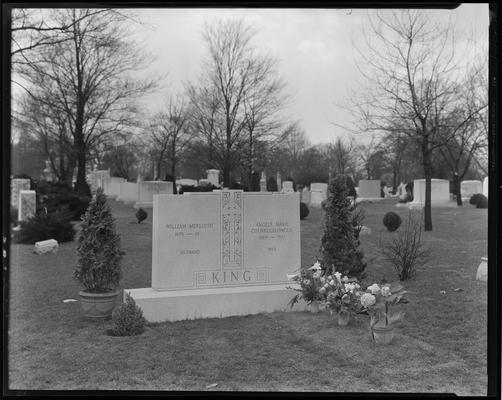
<point x="272" y="185"/>
<point x="339" y="245"/>
<point x="98" y="251"/>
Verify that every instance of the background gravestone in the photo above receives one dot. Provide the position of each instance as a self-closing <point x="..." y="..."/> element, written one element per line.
<point x="468" y="188"/>
<point x="369" y="189"/>
<point x="146" y="190"/>
<point x="112" y="186"/>
<point x="128" y="192"/>
<point x="213" y="177"/>
<point x="305" y="196"/>
<point x="263" y="182"/>
<point x="16" y="185"/>
<point x="27" y="204"/>
<point x="287" y="187"/>
<point x="440" y="192"/>
<point x="485" y="186"/>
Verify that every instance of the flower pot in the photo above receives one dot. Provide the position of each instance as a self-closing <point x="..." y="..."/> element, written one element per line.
<point x="343" y="319"/>
<point x="382" y="335"/>
<point x="314" y="306"/>
<point x="98" y="305"/>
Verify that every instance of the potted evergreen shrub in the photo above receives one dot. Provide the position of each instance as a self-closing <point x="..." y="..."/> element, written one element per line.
<point x="98" y="259"/>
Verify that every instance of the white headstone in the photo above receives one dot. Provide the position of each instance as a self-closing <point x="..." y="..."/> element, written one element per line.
<point x="186" y="182"/>
<point x="147" y="189"/>
<point x="27" y="205"/>
<point x="263" y="182"/>
<point x="16" y="185"/>
<point x="468" y="188"/>
<point x="316" y="198"/>
<point x="365" y="230"/>
<point x="46" y="246"/>
<point x="221" y="253"/>
<point x="305" y="196"/>
<point x="112" y="186"/>
<point x="485" y="186"/>
<point x="213" y="177"/>
<point x="482" y="272"/>
<point x="287" y="187"/>
<point x="369" y="189"/>
<point x="318" y="193"/>
<point x="128" y="192"/>
<point x="440" y="192"/>
<point x="203" y="182"/>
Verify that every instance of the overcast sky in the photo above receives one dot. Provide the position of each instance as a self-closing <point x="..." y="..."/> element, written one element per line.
<point x="314" y="47"/>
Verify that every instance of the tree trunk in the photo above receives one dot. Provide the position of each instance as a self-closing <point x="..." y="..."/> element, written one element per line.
<point x="394" y="182"/>
<point x="226" y="173"/>
<point x="173" y="169"/>
<point x="456" y="188"/>
<point x="427" y="162"/>
<point x="81" y="187"/>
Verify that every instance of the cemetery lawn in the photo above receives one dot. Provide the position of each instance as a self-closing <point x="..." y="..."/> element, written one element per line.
<point x="440" y="347"/>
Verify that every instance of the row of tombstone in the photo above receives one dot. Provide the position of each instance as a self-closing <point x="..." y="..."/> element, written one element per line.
<point x="141" y="193"/>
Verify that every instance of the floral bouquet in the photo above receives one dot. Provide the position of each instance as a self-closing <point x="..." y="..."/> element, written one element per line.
<point x="377" y="300"/>
<point x="309" y="280"/>
<point x="341" y="295"/>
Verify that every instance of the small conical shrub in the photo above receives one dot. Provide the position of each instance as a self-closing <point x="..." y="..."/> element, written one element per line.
<point x="141" y="215"/>
<point x="304" y="210"/>
<point x="272" y="185"/>
<point x="392" y="221"/>
<point x="98" y="251"/>
<point x="128" y="319"/>
<point x="339" y="245"/>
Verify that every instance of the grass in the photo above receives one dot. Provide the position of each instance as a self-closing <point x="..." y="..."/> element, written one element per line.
<point x="440" y="347"/>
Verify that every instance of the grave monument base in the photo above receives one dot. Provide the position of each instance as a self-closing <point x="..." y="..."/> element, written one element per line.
<point x="143" y="204"/>
<point x="176" y="305"/>
<point x="368" y="199"/>
<point x="419" y="205"/>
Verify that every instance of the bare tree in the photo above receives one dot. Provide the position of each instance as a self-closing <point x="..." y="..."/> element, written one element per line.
<point x="32" y="29"/>
<point x="236" y="96"/>
<point x="415" y="81"/>
<point x="171" y="134"/>
<point x="470" y="137"/>
<point x="42" y="122"/>
<point x="90" y="73"/>
<point x="341" y="156"/>
<point x="291" y="144"/>
<point x="121" y="158"/>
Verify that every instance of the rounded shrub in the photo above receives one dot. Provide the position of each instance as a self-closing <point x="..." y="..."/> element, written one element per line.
<point x="128" y="319"/>
<point x="141" y="215"/>
<point x="304" y="210"/>
<point x="392" y="221"/>
<point x="479" y="200"/>
<point x="43" y="226"/>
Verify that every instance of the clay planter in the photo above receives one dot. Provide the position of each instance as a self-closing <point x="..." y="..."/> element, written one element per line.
<point x="98" y="305"/>
<point x="314" y="306"/>
<point x="343" y="319"/>
<point x="382" y="335"/>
